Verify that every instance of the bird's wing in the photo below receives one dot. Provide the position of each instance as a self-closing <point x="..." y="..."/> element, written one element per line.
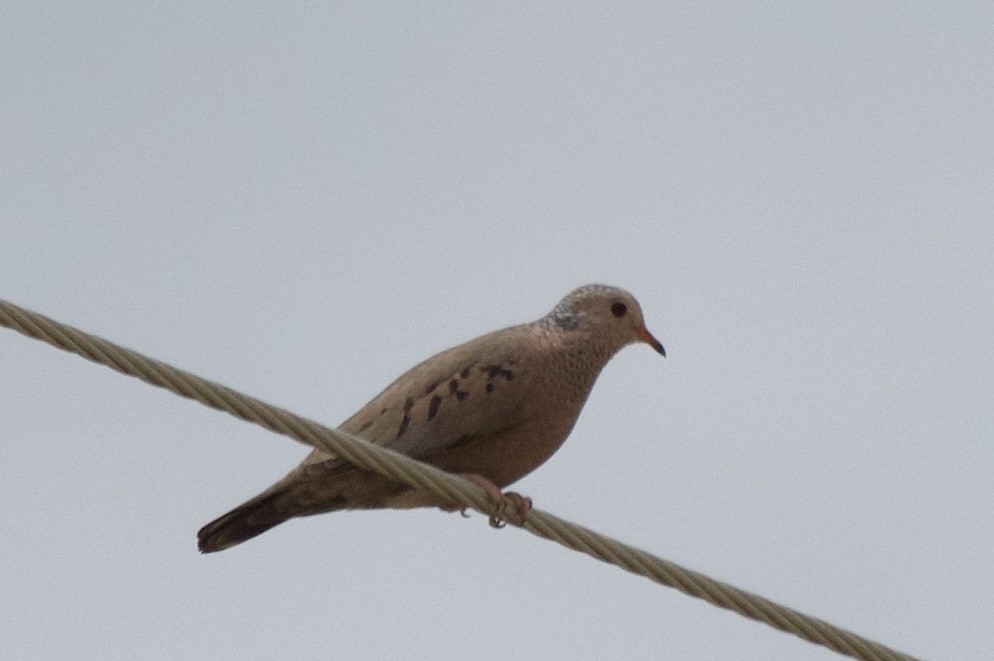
<point x="447" y="400"/>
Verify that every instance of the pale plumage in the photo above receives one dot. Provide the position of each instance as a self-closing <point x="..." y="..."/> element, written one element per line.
<point x="493" y="409"/>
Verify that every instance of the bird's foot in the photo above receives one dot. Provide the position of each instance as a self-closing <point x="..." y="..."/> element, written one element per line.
<point x="511" y="506"/>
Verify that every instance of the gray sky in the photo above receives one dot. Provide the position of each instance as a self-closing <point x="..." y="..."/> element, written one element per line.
<point x="303" y="201"/>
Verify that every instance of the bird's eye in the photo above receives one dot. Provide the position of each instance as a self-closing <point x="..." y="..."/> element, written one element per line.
<point x="619" y="309"/>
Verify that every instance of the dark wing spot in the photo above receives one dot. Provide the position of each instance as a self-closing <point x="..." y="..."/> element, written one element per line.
<point x="490" y="387"/>
<point x="365" y="426"/>
<point x="408" y="405"/>
<point x="433" y="406"/>
<point x="384" y="411"/>
<point x="430" y="389"/>
<point x="454" y="390"/>
<point x="464" y="374"/>
<point x="496" y="370"/>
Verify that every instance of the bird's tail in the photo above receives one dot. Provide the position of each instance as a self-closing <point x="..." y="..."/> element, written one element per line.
<point x="242" y="523"/>
<point x="313" y="489"/>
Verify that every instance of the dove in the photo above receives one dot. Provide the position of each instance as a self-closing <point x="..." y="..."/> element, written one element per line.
<point x="491" y="410"/>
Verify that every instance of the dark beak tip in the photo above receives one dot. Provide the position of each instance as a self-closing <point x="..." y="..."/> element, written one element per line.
<point x="647" y="337"/>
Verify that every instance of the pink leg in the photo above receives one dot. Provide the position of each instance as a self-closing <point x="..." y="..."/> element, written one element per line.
<point x="511" y="506"/>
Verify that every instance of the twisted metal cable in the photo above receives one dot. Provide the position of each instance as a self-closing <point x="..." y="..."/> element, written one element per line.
<point x="455" y="489"/>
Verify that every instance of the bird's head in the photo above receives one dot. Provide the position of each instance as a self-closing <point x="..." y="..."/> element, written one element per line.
<point x="609" y="314"/>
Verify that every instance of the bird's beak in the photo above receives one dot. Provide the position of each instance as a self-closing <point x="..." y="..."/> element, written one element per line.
<point x="647" y="337"/>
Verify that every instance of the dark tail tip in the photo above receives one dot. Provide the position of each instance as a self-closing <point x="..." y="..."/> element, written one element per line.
<point x="240" y="524"/>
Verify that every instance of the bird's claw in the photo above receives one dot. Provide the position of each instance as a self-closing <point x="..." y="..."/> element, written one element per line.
<point x="512" y="507"/>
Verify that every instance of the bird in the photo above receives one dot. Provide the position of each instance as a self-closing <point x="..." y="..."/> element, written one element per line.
<point x="491" y="410"/>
